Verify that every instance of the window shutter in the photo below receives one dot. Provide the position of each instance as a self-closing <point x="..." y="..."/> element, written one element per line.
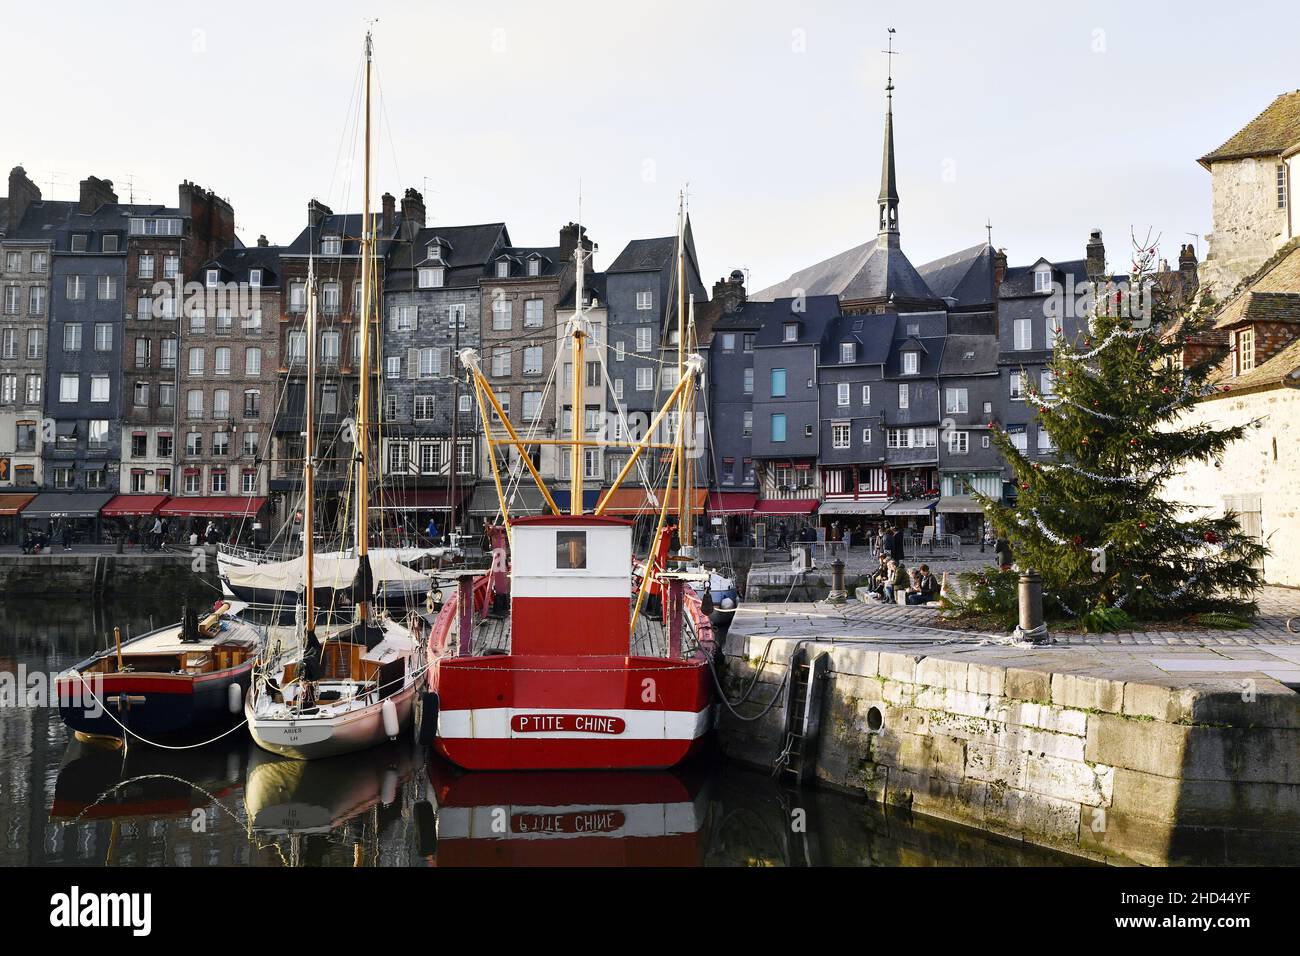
<point x="412" y="363"/>
<point x="437" y="361"/>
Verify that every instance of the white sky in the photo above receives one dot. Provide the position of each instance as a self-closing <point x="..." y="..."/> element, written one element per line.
<point x="1049" y="118"/>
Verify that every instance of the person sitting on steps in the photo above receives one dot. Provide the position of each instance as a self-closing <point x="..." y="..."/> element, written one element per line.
<point x="897" y="581"/>
<point x="927" y="587"/>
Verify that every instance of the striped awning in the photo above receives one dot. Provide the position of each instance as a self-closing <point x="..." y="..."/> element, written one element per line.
<point x="12" y="504"/>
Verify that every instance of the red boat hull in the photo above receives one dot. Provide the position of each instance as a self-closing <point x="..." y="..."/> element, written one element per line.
<point x="516" y="712"/>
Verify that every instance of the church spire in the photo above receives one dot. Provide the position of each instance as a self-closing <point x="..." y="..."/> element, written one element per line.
<point x="888" y="200"/>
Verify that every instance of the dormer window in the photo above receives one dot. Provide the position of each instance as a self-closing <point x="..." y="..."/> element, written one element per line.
<point x="79" y="242"/>
<point x="214" y="277"/>
<point x="848" y="352"/>
<point x="331" y="246"/>
<point x="255" y="278"/>
<point x="431" y="278"/>
<point x="109" y="244"/>
<point x="790" y="332"/>
<point x="503" y="268"/>
<point x="435" y="252"/>
<point x="1043" y="279"/>
<point x="534" y="267"/>
<point x="911" y="363"/>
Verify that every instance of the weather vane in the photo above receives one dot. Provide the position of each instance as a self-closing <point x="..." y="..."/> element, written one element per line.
<point x="890" y="53"/>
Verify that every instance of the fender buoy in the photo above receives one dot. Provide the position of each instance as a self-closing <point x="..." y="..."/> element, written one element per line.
<point x="389" y="712"/>
<point x="428" y="730"/>
<point x="236" y="698"/>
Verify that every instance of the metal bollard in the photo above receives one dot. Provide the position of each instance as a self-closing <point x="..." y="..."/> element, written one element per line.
<point x="1032" y="627"/>
<point x="838" y="593"/>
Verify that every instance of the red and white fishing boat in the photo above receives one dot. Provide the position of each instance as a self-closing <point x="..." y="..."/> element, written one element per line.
<point x="567" y="653"/>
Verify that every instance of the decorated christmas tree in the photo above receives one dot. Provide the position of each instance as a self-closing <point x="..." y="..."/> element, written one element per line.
<point x="1094" y="520"/>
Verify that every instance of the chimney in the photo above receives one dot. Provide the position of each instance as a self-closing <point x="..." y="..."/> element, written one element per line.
<point x="94" y="193"/>
<point x="317" y="212"/>
<point x="999" y="269"/>
<point x="211" y="220"/>
<point x="569" y="240"/>
<point x="730" y="292"/>
<point x="261" y="242"/>
<point x="22" y="193"/>
<point x="390" y="215"/>
<point x="412" y="213"/>
<point x="1096" y="256"/>
<point x="1186" y="257"/>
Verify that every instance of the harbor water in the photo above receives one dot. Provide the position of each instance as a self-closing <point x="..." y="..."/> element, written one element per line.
<point x="66" y="802"/>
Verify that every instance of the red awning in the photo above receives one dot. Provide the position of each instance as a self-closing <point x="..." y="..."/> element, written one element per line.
<point x="786" y="506"/>
<point x="12" y="504"/>
<point x="732" y="501"/>
<point x="129" y="506"/>
<point x="420" y="499"/>
<point x="218" y="506"/>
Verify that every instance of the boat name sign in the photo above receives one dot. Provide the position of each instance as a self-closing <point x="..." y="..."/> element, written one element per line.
<point x="567" y="723"/>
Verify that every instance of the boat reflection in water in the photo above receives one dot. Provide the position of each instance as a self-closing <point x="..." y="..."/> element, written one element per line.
<point x="570" y="817"/>
<point x="315" y="810"/>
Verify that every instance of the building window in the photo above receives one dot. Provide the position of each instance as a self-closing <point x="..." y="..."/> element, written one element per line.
<point x="166" y="395"/>
<point x="329" y="347"/>
<point x="13" y="299"/>
<point x="99" y="388"/>
<point x="848" y="352"/>
<point x="503" y="268"/>
<point x="40" y="262"/>
<point x="79" y="242"/>
<point x="432" y="278"/>
<point x="194" y="444"/>
<point x="1023" y="332"/>
<point x="297" y="296"/>
<point x="534" y="266"/>
<point x="221" y="404"/>
<point x="1016" y="384"/>
<point x="250" y="444"/>
<point x="1044" y="440"/>
<point x="397" y="457"/>
<point x="1281" y="186"/>
<point x="252" y="361"/>
<point x="645" y="379"/>
<point x="218" y="481"/>
<point x="221" y="360"/>
<point x="533" y="313"/>
<point x="729" y="342"/>
<point x="194" y="403"/>
<point x="1047" y="384"/>
<point x="72" y="337"/>
<point x="393" y="366"/>
<point x="643" y="338"/>
<point x="1245" y="350"/>
<point x="841" y="435"/>
<point x="9" y="388"/>
<point x="107" y="288"/>
<point x="423" y="409"/>
<point x="790" y="332"/>
<point x="1019" y="437"/>
<point x="428" y="367"/>
<point x="248" y="482"/>
<point x="141" y="394"/>
<point x="866" y="436"/>
<point x="533" y="360"/>
<point x="502" y="314"/>
<point x="64" y="477"/>
<point x="1043" y="279"/>
<point x="778" y="426"/>
<point x="297" y="346"/>
<point x="143" y="348"/>
<point x="911" y="363"/>
<point x="1050" y="331"/>
<point x="196" y="361"/>
<point x="33" y="389"/>
<point x="331" y="246"/>
<point x="644" y="302"/>
<point x="778" y="383"/>
<point x="532" y="406"/>
<point x="903" y="395"/>
<point x="958" y="442"/>
<point x="843" y="394"/>
<point x="956" y="401"/>
<point x="76" y="287"/>
<point x="36" y="300"/>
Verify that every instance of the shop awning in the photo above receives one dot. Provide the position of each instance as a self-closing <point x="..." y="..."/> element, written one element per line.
<point x="860" y="506"/>
<point x="124" y="506"/>
<point x="524" y="500"/>
<point x="217" y="506"/>
<point x="632" y="501"/>
<point x="589" y="498"/>
<point x="959" y="505"/>
<point x="732" y="502"/>
<point x="12" y="504"/>
<point x="911" y="507"/>
<point x="786" y="506"/>
<point x="66" y="504"/>
<point x="421" y="499"/>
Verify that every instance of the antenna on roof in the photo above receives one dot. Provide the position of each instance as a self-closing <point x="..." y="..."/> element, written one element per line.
<point x="988" y="225"/>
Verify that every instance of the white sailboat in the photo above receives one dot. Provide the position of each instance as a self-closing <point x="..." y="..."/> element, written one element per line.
<point x="338" y="689"/>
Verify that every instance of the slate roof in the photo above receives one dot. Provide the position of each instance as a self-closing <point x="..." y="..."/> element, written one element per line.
<point x="872" y="334"/>
<point x="465" y="257"/>
<point x="872" y="270"/>
<point x="594" y="283"/>
<point x="819" y="310"/>
<point x="347" y="226"/>
<point x="235" y="264"/>
<point x="966" y="276"/>
<point x="43" y="220"/>
<point x="1273" y="131"/>
<point x="549" y="255"/>
<point x="652" y="255"/>
<point x="970" y="355"/>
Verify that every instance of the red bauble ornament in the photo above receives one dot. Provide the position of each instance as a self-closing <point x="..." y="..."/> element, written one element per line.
<point x="1025" y="486"/>
<point x="1077" y="540"/>
<point x="1142" y="524"/>
<point x="1211" y="537"/>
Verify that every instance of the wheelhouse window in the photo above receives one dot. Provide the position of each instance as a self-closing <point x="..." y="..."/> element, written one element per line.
<point x="570" y="550"/>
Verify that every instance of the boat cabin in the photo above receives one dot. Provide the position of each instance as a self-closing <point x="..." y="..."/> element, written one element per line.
<point x="570" y="585"/>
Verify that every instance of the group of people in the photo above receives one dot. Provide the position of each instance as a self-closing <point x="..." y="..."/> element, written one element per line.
<point x="893" y="578"/>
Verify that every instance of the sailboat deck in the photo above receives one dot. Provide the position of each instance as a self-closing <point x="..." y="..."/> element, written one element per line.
<point x="650" y="639"/>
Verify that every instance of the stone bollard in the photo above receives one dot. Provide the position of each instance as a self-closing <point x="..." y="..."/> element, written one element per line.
<point x="838" y="593"/>
<point x="1032" y="626"/>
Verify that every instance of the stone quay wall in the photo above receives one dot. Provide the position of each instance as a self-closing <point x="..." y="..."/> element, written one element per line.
<point x="1110" y="770"/>
<point x="99" y="572"/>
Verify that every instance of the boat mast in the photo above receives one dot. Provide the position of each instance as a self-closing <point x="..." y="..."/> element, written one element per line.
<point x="683" y="492"/>
<point x="309" y="462"/>
<point x="579" y="380"/>
<point x="363" y="393"/>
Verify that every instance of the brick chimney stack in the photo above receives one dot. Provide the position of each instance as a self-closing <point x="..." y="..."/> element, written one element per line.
<point x="212" y="223"/>
<point x="94" y="193"/>
<point x="1096" y="256"/>
<point x="729" y="293"/>
<point x="261" y="242"/>
<point x="999" y="269"/>
<point x="569" y="240"/>
<point x="1187" y="259"/>
<point x="317" y="212"/>
<point x="412" y="213"/>
<point x="22" y="193"/>
<point x="389" y="218"/>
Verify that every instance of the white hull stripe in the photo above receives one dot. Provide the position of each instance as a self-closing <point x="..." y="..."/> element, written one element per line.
<point x="497" y="723"/>
<point x="569" y="823"/>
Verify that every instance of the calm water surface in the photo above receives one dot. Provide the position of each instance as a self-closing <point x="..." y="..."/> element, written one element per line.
<point x="63" y="802"/>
